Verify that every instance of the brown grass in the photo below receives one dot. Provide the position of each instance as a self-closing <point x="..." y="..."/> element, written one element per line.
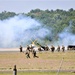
<point x="46" y="60"/>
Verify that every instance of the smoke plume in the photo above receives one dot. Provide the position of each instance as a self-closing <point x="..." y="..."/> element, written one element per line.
<point x="20" y="30"/>
<point x="66" y="37"/>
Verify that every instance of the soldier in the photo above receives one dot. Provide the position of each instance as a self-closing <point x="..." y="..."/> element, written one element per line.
<point x="34" y="54"/>
<point x="58" y="48"/>
<point x="27" y="53"/>
<point x="39" y="49"/>
<point x="63" y="48"/>
<point x="46" y="48"/>
<point x="31" y="48"/>
<point x="20" y="48"/>
<point x="52" y="48"/>
<point x="28" y="47"/>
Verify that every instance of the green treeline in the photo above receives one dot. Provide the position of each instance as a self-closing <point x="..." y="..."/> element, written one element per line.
<point x="55" y="19"/>
<point x="4" y="15"/>
<point x="58" y="19"/>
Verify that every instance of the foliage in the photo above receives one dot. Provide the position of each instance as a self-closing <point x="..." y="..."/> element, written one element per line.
<point x="56" y="19"/>
<point x="5" y="15"/>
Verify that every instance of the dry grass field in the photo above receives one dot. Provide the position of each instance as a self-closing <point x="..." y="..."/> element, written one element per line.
<point x="46" y="61"/>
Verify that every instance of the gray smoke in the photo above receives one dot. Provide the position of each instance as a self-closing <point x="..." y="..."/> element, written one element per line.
<point x="20" y="30"/>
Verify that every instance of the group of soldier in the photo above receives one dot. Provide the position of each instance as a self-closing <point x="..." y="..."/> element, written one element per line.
<point x="58" y="48"/>
<point x="30" y="49"/>
<point x="52" y="48"/>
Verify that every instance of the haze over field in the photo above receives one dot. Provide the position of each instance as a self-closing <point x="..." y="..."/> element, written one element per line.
<point x="20" y="30"/>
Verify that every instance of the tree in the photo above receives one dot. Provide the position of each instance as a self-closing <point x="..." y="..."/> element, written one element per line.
<point x="71" y="9"/>
<point x="5" y="15"/>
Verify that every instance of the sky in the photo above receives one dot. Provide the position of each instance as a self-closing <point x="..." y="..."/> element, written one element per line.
<point x="25" y="6"/>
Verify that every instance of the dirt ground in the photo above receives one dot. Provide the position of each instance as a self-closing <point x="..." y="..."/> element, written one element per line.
<point x="46" y="61"/>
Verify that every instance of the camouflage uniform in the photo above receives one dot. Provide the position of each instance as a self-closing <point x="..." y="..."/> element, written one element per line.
<point x="34" y="54"/>
<point x="63" y="48"/>
<point x="52" y="48"/>
<point x="58" y="48"/>
<point x="20" y="48"/>
<point x="28" y="47"/>
<point x="46" y="48"/>
<point x="27" y="53"/>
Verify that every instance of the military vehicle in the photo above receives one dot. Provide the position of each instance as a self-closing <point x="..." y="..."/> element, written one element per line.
<point x="71" y="47"/>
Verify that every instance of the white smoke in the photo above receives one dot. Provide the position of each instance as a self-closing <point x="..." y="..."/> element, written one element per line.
<point x="66" y="37"/>
<point x="20" y="30"/>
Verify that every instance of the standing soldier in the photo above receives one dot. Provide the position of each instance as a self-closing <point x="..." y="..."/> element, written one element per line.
<point x="52" y="48"/>
<point x="63" y="48"/>
<point x="28" y="47"/>
<point x="20" y="48"/>
<point x="58" y="48"/>
<point x="46" y="48"/>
